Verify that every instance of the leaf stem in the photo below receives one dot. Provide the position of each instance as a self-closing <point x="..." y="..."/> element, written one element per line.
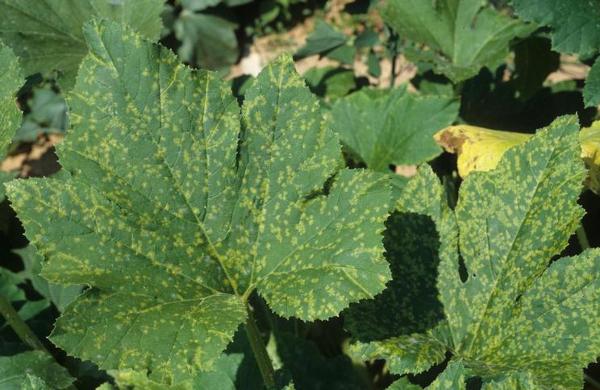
<point x="19" y="326"/>
<point x="584" y="243"/>
<point x="260" y="352"/>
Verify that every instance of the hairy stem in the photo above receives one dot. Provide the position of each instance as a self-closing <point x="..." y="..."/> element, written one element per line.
<point x="260" y="352"/>
<point x="584" y="243"/>
<point x="19" y="326"/>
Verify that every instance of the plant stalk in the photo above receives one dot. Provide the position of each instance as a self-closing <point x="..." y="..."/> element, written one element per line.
<point x="19" y="326"/>
<point x="260" y="352"/>
<point x="584" y="243"/>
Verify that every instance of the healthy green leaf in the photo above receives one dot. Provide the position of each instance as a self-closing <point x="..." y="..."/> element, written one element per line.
<point x="574" y="22"/>
<point x="322" y="40"/>
<point x="515" y="313"/>
<point x="591" y="91"/>
<point x="174" y="224"/>
<point x="462" y="36"/>
<point x="32" y="370"/>
<point x="206" y="40"/>
<point x="47" y="34"/>
<point x="11" y="79"/>
<point x="392" y="127"/>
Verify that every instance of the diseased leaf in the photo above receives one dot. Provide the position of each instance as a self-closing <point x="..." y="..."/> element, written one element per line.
<point x="392" y="127"/>
<point x="574" y="22"/>
<point x="405" y="354"/>
<point x="512" y="313"/>
<point x="184" y="222"/>
<point x="32" y="370"/>
<point x="11" y="79"/>
<point x="410" y="302"/>
<point x="461" y="36"/>
<point x="478" y="148"/>
<point x="47" y="34"/>
<point x="403" y="384"/>
<point x="454" y="377"/>
<point x="59" y="295"/>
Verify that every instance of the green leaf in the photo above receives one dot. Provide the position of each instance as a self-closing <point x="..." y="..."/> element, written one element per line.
<point x="32" y="370"/>
<point x="509" y="311"/>
<point x="185" y="222"/>
<point x="5" y="177"/>
<point x="330" y="82"/>
<point x="11" y="80"/>
<point x="405" y="354"/>
<point x="47" y="34"/>
<point x="198" y="5"/>
<point x="322" y="40"/>
<point x="591" y="91"/>
<point x="454" y="377"/>
<point x="392" y="127"/>
<point x="574" y="22"/>
<point x="47" y="114"/>
<point x="403" y="384"/>
<point x="206" y="40"/>
<point x="59" y="295"/>
<point x="462" y="36"/>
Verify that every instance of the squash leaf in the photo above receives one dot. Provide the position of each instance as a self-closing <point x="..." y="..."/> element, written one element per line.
<point x="514" y="313"/>
<point x="32" y="370"/>
<point x="47" y="35"/>
<point x="392" y="127"/>
<point x="11" y="79"/>
<point x="174" y="224"/>
<point x="462" y="36"/>
<point x="591" y="90"/>
<point x="574" y="23"/>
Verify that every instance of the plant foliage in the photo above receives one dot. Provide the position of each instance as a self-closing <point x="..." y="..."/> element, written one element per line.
<point x="515" y="317"/>
<point x="185" y="225"/>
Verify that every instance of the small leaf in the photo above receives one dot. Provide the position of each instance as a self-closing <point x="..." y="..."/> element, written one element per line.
<point x="33" y="370"/>
<point x="322" y="40"/>
<point x="462" y="36"/>
<point x="206" y="40"/>
<point x="574" y="22"/>
<point x="591" y="91"/>
<point x="47" y="35"/>
<point x="185" y="221"/>
<point x="392" y="127"/>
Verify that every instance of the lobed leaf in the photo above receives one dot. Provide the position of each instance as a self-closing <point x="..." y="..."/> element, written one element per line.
<point x="462" y="36"/>
<point x="174" y="223"/>
<point x="574" y="22"/>
<point x="392" y="127"/>
<point x="591" y="91"/>
<point x="47" y="35"/>
<point x="509" y="313"/>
